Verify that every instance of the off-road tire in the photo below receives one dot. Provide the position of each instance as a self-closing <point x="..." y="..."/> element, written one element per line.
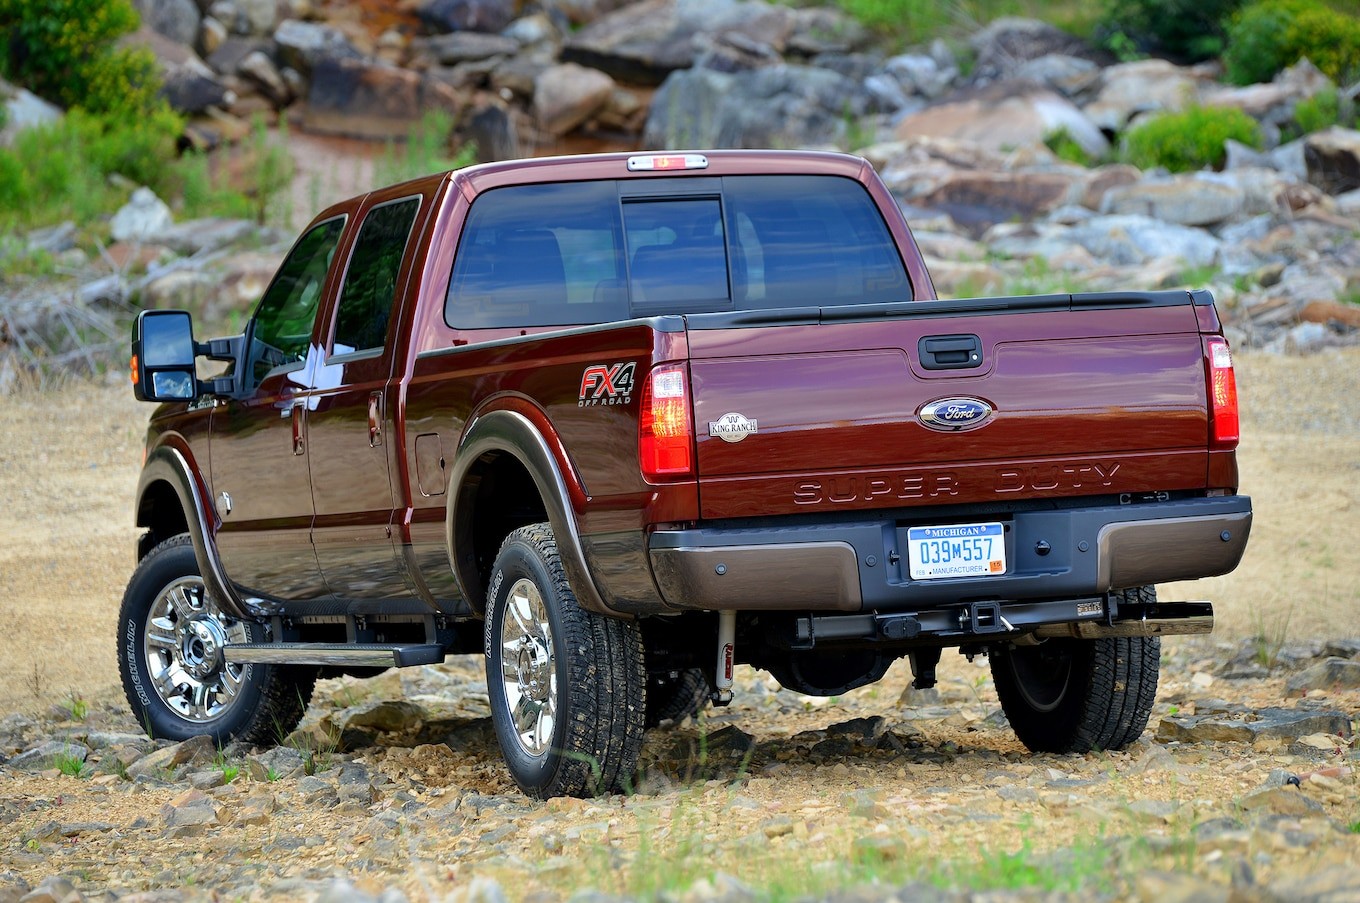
<point x="270" y="699"/>
<point x="597" y="674"/>
<point x="676" y="698"/>
<point x="1075" y="696"/>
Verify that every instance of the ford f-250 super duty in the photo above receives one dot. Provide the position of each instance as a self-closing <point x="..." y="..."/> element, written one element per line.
<point x="619" y="423"/>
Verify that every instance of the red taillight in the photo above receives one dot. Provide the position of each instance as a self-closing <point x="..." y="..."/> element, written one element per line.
<point x="1222" y="394"/>
<point x="665" y="437"/>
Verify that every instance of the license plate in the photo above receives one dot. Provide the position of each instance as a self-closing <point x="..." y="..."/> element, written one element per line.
<point x="956" y="550"/>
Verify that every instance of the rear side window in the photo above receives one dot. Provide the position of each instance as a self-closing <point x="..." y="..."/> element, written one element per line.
<point x="579" y="253"/>
<point x="370" y="287"/>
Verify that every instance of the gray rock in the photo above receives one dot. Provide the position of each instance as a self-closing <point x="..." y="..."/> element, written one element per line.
<point x="1333" y="159"/>
<point x="195" y="751"/>
<point x="45" y="756"/>
<point x="1177" y="887"/>
<point x="193" y="808"/>
<point x="340" y="890"/>
<point x="821" y="29"/>
<point x="1333" y="674"/>
<point x="260" y="69"/>
<point x="465" y="46"/>
<point x="973" y="198"/>
<point x="1145" y="86"/>
<point x="1007" y="43"/>
<point x="1068" y="75"/>
<point x="921" y="74"/>
<point x="1128" y="240"/>
<point x="493" y="131"/>
<point x="1187" y="200"/>
<point x="567" y="95"/>
<point x="465" y="15"/>
<point x="731" y="742"/>
<point x="303" y="45"/>
<point x="176" y="19"/>
<point x="211" y="34"/>
<point x="365" y="100"/>
<point x="279" y="763"/>
<point x="1249" y="726"/>
<point x="141" y="217"/>
<point x="643" y="43"/>
<point x="198" y="235"/>
<point x="1006" y="116"/>
<point x="1349" y="648"/>
<point x="1287" y="800"/>
<point x="193" y="92"/>
<point x="23" y="110"/>
<point x="780" y="106"/>
<point x="1331" y="884"/>
<point x="56" y="889"/>
<point x="260" y="15"/>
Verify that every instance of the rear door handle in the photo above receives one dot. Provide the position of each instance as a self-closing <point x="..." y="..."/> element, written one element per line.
<point x="299" y="433"/>
<point x="375" y="417"/>
<point x="950" y="352"/>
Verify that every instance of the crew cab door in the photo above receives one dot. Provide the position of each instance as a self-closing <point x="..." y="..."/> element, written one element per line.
<point x="258" y="445"/>
<point x="350" y="409"/>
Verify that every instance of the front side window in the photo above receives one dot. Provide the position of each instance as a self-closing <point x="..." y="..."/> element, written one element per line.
<point x="579" y="253"/>
<point x="370" y="286"/>
<point x="282" y="326"/>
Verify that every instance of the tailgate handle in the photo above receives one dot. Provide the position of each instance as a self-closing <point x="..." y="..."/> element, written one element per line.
<point x="950" y="352"/>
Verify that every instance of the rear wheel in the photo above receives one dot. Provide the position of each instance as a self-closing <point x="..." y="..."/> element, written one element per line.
<point x="566" y="685"/>
<point x="171" y="634"/>
<point x="1074" y="696"/>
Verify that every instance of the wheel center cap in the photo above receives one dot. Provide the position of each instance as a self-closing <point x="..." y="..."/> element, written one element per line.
<point x="531" y="668"/>
<point x="201" y="645"/>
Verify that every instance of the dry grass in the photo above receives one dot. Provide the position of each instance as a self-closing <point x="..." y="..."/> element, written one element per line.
<point x="69" y="462"/>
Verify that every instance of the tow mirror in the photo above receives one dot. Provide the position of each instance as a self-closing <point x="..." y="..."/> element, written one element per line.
<point x="163" y="353"/>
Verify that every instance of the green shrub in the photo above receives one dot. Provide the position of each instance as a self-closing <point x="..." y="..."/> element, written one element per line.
<point x="1188" y="140"/>
<point x="62" y="171"/>
<point x="1322" y="111"/>
<point x="1269" y="35"/>
<point x="1191" y="30"/>
<point x="64" y="50"/>
<point x="1066" y="148"/>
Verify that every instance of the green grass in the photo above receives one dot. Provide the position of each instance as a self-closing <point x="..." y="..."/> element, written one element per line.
<point x="76" y="707"/>
<point x="919" y="21"/>
<point x="426" y="151"/>
<point x="72" y="766"/>
<point x="1269" y="638"/>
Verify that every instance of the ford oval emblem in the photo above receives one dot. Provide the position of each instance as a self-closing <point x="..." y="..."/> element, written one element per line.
<point x="953" y="414"/>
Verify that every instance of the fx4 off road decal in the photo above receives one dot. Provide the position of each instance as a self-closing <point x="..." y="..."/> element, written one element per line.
<point x="606" y="384"/>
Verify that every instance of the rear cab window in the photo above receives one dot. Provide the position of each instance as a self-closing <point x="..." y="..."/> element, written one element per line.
<point x="580" y="253"/>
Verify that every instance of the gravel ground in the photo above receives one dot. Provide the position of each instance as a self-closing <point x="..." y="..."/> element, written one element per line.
<point x="883" y="792"/>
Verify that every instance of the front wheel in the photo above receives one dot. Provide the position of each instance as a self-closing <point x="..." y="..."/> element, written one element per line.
<point x="1075" y="696"/>
<point x="566" y="685"/>
<point x="171" y="634"/>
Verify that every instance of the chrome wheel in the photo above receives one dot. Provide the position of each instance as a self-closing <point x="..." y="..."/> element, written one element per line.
<point x="183" y="641"/>
<point x="529" y="667"/>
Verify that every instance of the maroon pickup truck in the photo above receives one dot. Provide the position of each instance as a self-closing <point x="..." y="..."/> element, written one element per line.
<point x="619" y="423"/>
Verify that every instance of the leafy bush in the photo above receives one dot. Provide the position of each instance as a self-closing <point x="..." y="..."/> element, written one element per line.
<point x="1189" y="140"/>
<point x="1191" y="30"/>
<point x="1066" y="148"/>
<point x="64" y="50"/>
<point x="1269" y="35"/>
<point x="1322" y="111"/>
<point x="62" y="171"/>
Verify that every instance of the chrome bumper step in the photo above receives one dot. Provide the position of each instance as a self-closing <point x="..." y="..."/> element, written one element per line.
<point x="368" y="655"/>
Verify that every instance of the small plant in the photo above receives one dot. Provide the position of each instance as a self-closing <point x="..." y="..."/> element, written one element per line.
<point x="70" y="765"/>
<point x="229" y="769"/>
<point x="426" y="151"/>
<point x="1270" y="639"/>
<point x="1269" y="35"/>
<point x="1066" y="148"/>
<point x="76" y="707"/>
<point x="1189" y="140"/>
<point x="271" y="775"/>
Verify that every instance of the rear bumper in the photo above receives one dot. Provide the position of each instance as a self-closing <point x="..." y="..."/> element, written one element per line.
<point x="858" y="566"/>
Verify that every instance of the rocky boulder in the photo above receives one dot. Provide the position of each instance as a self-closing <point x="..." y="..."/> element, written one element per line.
<point x="1145" y="86"/>
<point x="466" y="15"/>
<point x="303" y="45"/>
<point x="567" y="95"/>
<point x="176" y="19"/>
<point x="23" y="110"/>
<point x="1333" y="159"/>
<point x="1133" y="239"/>
<point x="1005" y="116"/>
<point x="1196" y="200"/>
<point x="1006" y="44"/>
<point x="368" y="100"/>
<point x="779" y="106"/>
<point x="141" y="217"/>
<point x="644" y="42"/>
<point x="978" y="199"/>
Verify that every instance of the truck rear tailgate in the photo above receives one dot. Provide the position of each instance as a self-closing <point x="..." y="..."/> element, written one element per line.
<point x="1089" y="396"/>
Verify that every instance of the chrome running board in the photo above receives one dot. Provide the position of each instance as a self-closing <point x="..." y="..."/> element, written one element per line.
<point x="367" y="655"/>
